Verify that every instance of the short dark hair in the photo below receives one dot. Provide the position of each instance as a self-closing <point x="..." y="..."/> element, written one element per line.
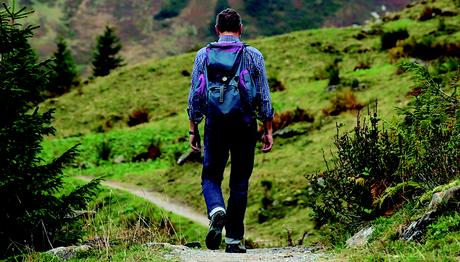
<point x="228" y="21"/>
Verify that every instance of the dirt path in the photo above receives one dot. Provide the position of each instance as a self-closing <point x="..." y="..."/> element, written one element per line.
<point x="185" y="254"/>
<point x="158" y="199"/>
<point x="284" y="254"/>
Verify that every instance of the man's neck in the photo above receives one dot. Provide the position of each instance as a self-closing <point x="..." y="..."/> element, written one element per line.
<point x="229" y="34"/>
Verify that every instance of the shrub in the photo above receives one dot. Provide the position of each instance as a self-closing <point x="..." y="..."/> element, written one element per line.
<point x="430" y="132"/>
<point x="389" y="39"/>
<point x="333" y="72"/>
<point x="287" y="118"/>
<point x="138" y="117"/>
<point x="275" y="85"/>
<point x="427" y="48"/>
<point x="104" y="150"/>
<point x="375" y="170"/>
<point x="342" y="102"/>
<point x="365" y="160"/>
<point x="153" y="152"/>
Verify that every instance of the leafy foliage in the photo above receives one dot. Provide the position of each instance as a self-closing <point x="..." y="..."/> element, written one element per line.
<point x="430" y="132"/>
<point x="389" y="39"/>
<point x="34" y="213"/>
<point x="63" y="68"/>
<point x="106" y="57"/>
<point x="374" y="170"/>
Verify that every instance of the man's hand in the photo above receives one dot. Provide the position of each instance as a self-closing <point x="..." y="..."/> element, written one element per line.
<point x="195" y="139"/>
<point x="267" y="143"/>
<point x="195" y="142"/>
<point x="267" y="139"/>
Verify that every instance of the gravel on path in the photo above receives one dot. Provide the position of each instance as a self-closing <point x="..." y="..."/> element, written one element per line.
<point x="283" y="254"/>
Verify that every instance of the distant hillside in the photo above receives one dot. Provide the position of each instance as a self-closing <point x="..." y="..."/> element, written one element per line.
<point x="153" y="29"/>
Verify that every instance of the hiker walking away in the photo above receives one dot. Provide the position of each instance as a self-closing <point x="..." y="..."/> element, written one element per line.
<point x="229" y="86"/>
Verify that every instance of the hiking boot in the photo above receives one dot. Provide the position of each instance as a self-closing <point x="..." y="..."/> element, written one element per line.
<point x="214" y="237"/>
<point x="235" y="248"/>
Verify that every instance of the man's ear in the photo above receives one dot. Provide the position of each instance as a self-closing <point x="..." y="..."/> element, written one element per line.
<point x="216" y="30"/>
<point x="241" y="29"/>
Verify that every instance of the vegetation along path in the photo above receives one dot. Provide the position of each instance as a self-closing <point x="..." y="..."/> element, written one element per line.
<point x="285" y="254"/>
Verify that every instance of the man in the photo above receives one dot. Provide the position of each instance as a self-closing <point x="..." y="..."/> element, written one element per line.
<point x="233" y="133"/>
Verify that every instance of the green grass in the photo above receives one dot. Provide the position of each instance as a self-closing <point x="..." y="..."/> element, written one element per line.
<point x="159" y="86"/>
<point x="123" y="223"/>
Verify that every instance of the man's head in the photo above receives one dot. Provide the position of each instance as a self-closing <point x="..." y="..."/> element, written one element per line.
<point x="229" y="21"/>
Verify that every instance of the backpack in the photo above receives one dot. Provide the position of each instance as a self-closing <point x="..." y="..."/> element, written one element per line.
<point x="225" y="88"/>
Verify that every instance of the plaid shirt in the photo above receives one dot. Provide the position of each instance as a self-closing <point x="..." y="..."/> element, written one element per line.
<point x="254" y="62"/>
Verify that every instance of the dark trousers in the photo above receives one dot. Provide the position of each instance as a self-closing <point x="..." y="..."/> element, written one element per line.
<point x="238" y="138"/>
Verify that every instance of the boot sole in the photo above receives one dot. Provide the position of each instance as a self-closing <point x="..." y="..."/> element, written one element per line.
<point x="214" y="237"/>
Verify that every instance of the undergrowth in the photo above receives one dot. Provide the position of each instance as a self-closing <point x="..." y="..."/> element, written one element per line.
<point x="376" y="170"/>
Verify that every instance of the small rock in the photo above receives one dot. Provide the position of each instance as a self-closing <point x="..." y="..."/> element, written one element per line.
<point x="332" y="88"/>
<point x="190" y="156"/>
<point x="194" y="244"/>
<point x="119" y="160"/>
<point x="288" y="132"/>
<point x="444" y="197"/>
<point x="361" y="238"/>
<point x="68" y="252"/>
<point x="416" y="229"/>
<point x="165" y="245"/>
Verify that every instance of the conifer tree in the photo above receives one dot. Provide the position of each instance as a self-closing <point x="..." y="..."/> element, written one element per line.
<point x="64" y="71"/>
<point x="34" y="212"/>
<point x="105" y="57"/>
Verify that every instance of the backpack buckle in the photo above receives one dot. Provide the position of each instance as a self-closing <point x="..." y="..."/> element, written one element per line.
<point x="221" y="98"/>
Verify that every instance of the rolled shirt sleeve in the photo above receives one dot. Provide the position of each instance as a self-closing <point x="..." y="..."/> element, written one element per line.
<point x="194" y="110"/>
<point x="265" y="110"/>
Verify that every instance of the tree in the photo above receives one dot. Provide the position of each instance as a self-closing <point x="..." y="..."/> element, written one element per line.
<point x="105" y="57"/>
<point x="64" y="71"/>
<point x="35" y="212"/>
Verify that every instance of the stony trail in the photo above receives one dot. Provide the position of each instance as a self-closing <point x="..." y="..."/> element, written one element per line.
<point x="185" y="254"/>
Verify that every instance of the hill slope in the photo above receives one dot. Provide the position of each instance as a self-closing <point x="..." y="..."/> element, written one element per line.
<point x="97" y="114"/>
<point x="152" y="29"/>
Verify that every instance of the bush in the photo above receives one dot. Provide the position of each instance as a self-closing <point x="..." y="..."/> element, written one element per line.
<point x="389" y="39"/>
<point x="365" y="161"/>
<point x="104" y="150"/>
<point x="276" y="85"/>
<point x="375" y="170"/>
<point x="333" y="72"/>
<point x="35" y="212"/>
<point x="287" y="118"/>
<point x="138" y="117"/>
<point x="342" y="102"/>
<point x="430" y="132"/>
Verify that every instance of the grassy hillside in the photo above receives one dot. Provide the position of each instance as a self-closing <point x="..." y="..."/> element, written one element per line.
<point x="96" y="115"/>
<point x="152" y="29"/>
